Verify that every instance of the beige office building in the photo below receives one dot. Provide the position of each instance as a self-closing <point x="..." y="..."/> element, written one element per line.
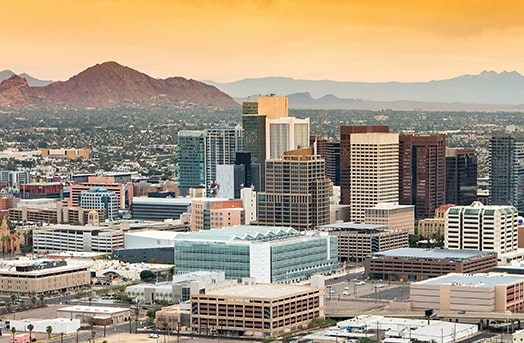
<point x="273" y="107"/>
<point x="395" y="216"/>
<point x="374" y="171"/>
<point x="33" y="278"/>
<point x="259" y="310"/>
<point x="356" y="241"/>
<point x="469" y="292"/>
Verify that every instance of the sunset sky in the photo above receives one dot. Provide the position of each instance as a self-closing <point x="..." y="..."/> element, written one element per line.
<point x="228" y="40"/>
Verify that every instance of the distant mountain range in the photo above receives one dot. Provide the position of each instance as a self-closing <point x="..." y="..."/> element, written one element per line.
<point x="31" y="81"/>
<point x="109" y="85"/>
<point x="504" y="89"/>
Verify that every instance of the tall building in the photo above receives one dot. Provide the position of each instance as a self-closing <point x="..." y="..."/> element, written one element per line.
<point x="191" y="160"/>
<point x="330" y="152"/>
<point x="231" y="178"/>
<point x="297" y="191"/>
<point x="484" y="228"/>
<point x="368" y="168"/>
<point x="461" y="176"/>
<point x="422" y="172"/>
<point x="284" y="134"/>
<point x="221" y="144"/>
<point x="506" y="168"/>
<point x="273" y="107"/>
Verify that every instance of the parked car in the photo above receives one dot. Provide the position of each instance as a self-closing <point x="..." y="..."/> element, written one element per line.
<point x="153" y="335"/>
<point x="360" y="283"/>
<point x="346" y="293"/>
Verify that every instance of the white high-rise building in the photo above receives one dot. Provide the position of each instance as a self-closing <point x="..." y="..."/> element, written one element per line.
<point x="480" y="227"/>
<point x="374" y="171"/>
<point x="221" y="144"/>
<point x="285" y="134"/>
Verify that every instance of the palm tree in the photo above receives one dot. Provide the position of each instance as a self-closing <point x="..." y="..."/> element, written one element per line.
<point x="41" y="297"/>
<point x="30" y="327"/>
<point x="33" y="300"/>
<point x="49" y="329"/>
<point x="13" y="331"/>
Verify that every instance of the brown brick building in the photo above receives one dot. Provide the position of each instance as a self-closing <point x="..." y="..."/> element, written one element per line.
<point x="411" y="264"/>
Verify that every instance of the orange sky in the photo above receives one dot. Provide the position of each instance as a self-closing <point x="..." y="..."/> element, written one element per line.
<point x="228" y="40"/>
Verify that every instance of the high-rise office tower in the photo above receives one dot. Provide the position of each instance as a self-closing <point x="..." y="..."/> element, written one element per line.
<point x="506" y="168"/>
<point x="221" y="145"/>
<point x="284" y="134"/>
<point x="422" y="172"/>
<point x="461" y="176"/>
<point x="191" y="160"/>
<point x="330" y="151"/>
<point x="368" y="167"/>
<point x="273" y="107"/>
<point x="297" y="191"/>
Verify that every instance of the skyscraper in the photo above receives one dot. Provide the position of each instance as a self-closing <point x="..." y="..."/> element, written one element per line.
<point x="191" y="160"/>
<point x="272" y="106"/>
<point x="284" y="134"/>
<point x="221" y="144"/>
<point x="506" y="168"/>
<point x="461" y="176"/>
<point x="297" y="191"/>
<point x="422" y="172"/>
<point x="368" y="168"/>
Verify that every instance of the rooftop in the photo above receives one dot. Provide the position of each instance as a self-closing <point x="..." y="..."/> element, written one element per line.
<point x="240" y="233"/>
<point x="355" y="227"/>
<point x="437" y="254"/>
<point x="260" y="291"/>
<point x="164" y="201"/>
<point x="486" y="280"/>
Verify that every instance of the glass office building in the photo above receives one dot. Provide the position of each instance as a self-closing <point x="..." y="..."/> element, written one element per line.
<point x="267" y="253"/>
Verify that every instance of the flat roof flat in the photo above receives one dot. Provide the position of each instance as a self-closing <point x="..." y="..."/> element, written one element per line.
<point x="482" y="280"/>
<point x="437" y="254"/>
<point x="259" y="291"/>
<point x="355" y="226"/>
<point x="93" y="309"/>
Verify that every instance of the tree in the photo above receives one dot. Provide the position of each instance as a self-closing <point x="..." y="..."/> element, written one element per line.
<point x="147" y="275"/>
<point x="13" y="331"/>
<point x="41" y="297"/>
<point x="30" y="327"/>
<point x="33" y="300"/>
<point x="164" y="325"/>
<point x="49" y="329"/>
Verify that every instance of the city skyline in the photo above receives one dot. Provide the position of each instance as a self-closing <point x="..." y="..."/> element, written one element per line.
<point x="373" y="41"/>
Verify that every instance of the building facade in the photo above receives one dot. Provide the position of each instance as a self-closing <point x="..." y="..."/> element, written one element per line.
<point x="297" y="191"/>
<point x="461" y="176"/>
<point x="221" y="144"/>
<point x="43" y="277"/>
<point x="422" y="172"/>
<point x="368" y="168"/>
<point x="284" y="134"/>
<point x="484" y="228"/>
<point x="506" y="168"/>
<point x="191" y="160"/>
<point x="144" y="208"/>
<point x="54" y="238"/>
<point x="411" y="264"/>
<point x="393" y="215"/>
<point x="487" y="293"/>
<point x="258" y="310"/>
<point x="356" y="241"/>
<point x="269" y="254"/>
<point x="212" y="213"/>
<point x="124" y="191"/>
<point x="97" y="198"/>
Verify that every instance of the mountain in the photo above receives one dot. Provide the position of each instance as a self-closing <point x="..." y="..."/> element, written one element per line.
<point x="488" y="87"/>
<point x="109" y="85"/>
<point x="31" y="81"/>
